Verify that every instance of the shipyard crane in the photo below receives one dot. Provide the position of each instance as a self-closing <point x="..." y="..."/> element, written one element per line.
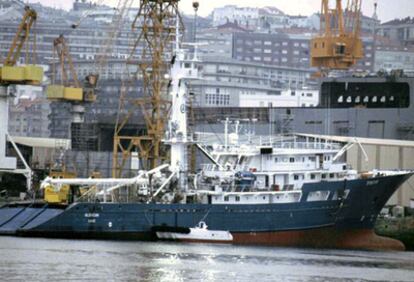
<point x="70" y="89"/>
<point x="157" y="21"/>
<point x="10" y="73"/>
<point x="13" y="74"/>
<point x="338" y="46"/>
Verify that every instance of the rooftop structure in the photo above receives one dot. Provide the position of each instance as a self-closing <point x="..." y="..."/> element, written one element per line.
<point x="398" y="30"/>
<point x="250" y="18"/>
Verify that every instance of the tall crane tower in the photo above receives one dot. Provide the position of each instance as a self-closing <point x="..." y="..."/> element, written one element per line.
<point x="157" y="20"/>
<point x="69" y="89"/>
<point x="338" y="46"/>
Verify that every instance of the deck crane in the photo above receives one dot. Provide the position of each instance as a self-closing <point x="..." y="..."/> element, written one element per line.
<point x="338" y="46"/>
<point x="13" y="74"/>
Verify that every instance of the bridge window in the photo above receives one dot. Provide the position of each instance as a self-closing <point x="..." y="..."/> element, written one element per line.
<point x="317" y="196"/>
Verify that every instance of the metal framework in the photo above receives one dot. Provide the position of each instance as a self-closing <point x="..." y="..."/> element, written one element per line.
<point x="61" y="49"/>
<point x="339" y="45"/>
<point x="157" y="20"/>
<point x="21" y="37"/>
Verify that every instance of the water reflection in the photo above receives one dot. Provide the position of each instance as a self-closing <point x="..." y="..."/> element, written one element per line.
<point x="42" y="259"/>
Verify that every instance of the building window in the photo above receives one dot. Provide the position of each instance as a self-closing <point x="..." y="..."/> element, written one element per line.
<point x="237" y="198"/>
<point x="296" y="177"/>
<point x="226" y="198"/>
<point x="292" y="160"/>
<point x="313" y="176"/>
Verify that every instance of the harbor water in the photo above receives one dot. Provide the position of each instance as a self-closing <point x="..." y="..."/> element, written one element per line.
<point x="27" y="259"/>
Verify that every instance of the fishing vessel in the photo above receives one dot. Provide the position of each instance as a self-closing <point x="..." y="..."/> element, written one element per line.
<point x="273" y="190"/>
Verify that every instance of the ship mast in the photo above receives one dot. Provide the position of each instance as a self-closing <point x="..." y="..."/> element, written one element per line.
<point x="177" y="134"/>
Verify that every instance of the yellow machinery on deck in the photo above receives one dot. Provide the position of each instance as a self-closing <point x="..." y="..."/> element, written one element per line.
<point x="60" y="196"/>
<point x="64" y="193"/>
<point x="10" y="73"/>
<point x="69" y="89"/>
<point x="339" y="45"/>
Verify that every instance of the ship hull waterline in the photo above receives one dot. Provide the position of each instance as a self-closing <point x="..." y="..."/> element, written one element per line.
<point x="324" y="238"/>
<point x="334" y="223"/>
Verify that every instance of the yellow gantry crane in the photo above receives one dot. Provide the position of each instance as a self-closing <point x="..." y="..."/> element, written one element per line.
<point x="69" y="88"/>
<point x="10" y="73"/>
<point x="338" y="46"/>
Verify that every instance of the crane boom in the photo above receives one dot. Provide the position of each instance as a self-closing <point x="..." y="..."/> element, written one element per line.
<point x="61" y="49"/>
<point x="21" y="37"/>
<point x="10" y="72"/>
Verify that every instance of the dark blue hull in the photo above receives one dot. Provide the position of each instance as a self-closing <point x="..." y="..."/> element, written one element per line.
<point x="249" y="223"/>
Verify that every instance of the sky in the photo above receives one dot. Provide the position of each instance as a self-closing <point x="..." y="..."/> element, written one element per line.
<point x="387" y="9"/>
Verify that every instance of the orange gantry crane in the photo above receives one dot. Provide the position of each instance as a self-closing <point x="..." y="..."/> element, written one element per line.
<point x="338" y="46"/>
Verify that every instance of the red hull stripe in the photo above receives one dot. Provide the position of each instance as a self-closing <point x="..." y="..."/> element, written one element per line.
<point x="321" y="238"/>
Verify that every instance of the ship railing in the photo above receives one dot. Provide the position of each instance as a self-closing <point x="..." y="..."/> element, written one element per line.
<point x="283" y="145"/>
<point x="214" y="167"/>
